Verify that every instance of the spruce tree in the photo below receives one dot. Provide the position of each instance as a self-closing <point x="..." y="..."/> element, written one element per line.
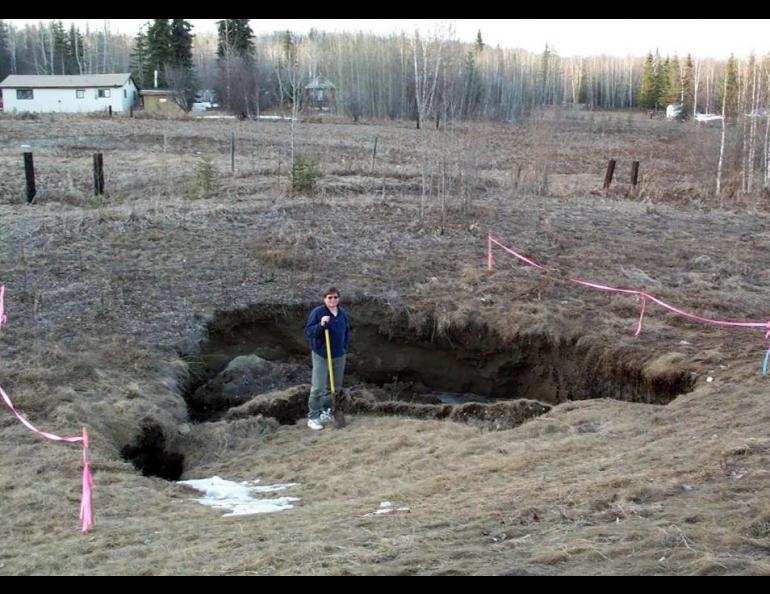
<point x="675" y="82"/>
<point x="140" y="68"/>
<point x="236" y="36"/>
<point x="663" y="83"/>
<point x="236" y="84"/>
<point x="75" y="51"/>
<point x="181" y="44"/>
<point x="179" y="71"/>
<point x="59" y="41"/>
<point x="688" y="88"/>
<point x="732" y="97"/>
<point x="479" y="45"/>
<point x="5" y="51"/>
<point x="159" y="51"/>
<point x="648" y="92"/>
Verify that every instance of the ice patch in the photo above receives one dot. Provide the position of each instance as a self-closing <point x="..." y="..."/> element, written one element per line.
<point x="238" y="497"/>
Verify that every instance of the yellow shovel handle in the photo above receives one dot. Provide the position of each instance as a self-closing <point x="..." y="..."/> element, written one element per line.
<point x="329" y="360"/>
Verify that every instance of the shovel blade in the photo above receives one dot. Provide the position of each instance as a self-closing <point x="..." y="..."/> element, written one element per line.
<point x="339" y="419"/>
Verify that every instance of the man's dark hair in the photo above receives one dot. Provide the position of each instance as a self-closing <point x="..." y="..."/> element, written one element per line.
<point x="331" y="291"/>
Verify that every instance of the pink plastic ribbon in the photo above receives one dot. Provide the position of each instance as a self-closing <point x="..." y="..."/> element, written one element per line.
<point x="86" y="507"/>
<point x="86" y="510"/>
<point x="643" y="294"/>
<point x="3" y="317"/>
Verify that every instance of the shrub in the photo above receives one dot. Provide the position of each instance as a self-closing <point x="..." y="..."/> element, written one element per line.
<point x="304" y="174"/>
<point x="205" y="181"/>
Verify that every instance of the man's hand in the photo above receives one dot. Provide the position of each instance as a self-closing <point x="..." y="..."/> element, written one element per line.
<point x="325" y="321"/>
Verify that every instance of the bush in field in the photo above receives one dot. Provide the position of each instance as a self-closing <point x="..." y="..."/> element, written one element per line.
<point x="205" y="181"/>
<point x="304" y="174"/>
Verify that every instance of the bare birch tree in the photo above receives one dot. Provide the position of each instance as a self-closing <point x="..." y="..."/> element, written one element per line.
<point x="427" y="64"/>
<point x="722" y="143"/>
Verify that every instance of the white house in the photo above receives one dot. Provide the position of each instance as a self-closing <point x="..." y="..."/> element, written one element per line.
<point x="68" y="93"/>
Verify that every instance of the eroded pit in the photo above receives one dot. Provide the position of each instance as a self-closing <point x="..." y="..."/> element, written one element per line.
<point x="150" y="454"/>
<point x="402" y="366"/>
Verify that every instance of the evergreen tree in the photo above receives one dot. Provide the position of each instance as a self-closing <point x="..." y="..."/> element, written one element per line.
<point x="238" y="78"/>
<point x="479" y="45"/>
<point x="648" y="93"/>
<point x="5" y="51"/>
<point x="688" y="88"/>
<point x="75" y="51"/>
<point x="675" y="82"/>
<point x="159" y="50"/>
<point x="662" y="83"/>
<point x="181" y="44"/>
<point x="179" y="71"/>
<point x="236" y="36"/>
<point x="140" y="68"/>
<point x="472" y="86"/>
<point x="59" y="46"/>
<point x="288" y="47"/>
<point x="732" y="98"/>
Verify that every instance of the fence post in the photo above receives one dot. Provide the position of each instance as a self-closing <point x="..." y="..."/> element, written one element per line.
<point x="98" y="174"/>
<point x="232" y="152"/>
<point x="374" y="152"/>
<point x="634" y="173"/>
<point x="29" y="173"/>
<point x="609" y="174"/>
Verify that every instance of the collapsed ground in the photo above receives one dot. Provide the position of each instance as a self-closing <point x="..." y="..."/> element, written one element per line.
<point x="109" y="303"/>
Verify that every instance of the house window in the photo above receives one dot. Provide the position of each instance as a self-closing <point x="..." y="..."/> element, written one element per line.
<point x="125" y="94"/>
<point x="102" y="93"/>
<point x="24" y="94"/>
<point x="80" y="93"/>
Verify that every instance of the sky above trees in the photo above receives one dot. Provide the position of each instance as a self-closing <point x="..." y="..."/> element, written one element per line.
<point x="716" y="38"/>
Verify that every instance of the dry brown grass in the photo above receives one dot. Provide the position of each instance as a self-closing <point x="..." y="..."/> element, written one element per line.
<point x="103" y="295"/>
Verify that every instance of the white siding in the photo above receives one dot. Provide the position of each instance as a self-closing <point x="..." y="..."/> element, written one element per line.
<point x="66" y="101"/>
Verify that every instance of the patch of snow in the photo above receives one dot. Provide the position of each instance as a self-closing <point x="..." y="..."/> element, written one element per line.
<point x="707" y="117"/>
<point x="386" y="507"/>
<point x="237" y="497"/>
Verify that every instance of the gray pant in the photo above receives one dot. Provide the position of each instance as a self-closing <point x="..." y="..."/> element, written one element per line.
<point x="320" y="396"/>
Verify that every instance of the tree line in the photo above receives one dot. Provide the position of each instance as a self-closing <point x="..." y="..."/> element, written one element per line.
<point x="399" y="76"/>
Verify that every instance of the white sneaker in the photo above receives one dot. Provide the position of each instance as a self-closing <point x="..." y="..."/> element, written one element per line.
<point x="314" y="425"/>
<point x="326" y="416"/>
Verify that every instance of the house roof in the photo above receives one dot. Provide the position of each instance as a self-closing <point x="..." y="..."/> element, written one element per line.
<point x="319" y="82"/>
<point x="64" y="81"/>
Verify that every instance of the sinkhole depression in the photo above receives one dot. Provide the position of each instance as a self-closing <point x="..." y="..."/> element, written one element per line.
<point x="263" y="348"/>
<point x="397" y="366"/>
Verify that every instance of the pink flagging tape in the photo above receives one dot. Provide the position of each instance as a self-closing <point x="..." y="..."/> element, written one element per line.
<point x="644" y="295"/>
<point x="3" y="317"/>
<point x="86" y="508"/>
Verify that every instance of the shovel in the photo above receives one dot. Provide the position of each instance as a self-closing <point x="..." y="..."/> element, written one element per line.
<point x="339" y="416"/>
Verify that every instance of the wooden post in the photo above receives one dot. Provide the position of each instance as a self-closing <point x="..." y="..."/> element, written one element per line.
<point x="232" y="152"/>
<point x="374" y="152"/>
<point x="634" y="173"/>
<point x="29" y="173"/>
<point x="609" y="174"/>
<point x="98" y="174"/>
<point x="109" y="110"/>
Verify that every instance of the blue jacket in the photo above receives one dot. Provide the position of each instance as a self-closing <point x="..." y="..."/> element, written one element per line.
<point x="339" y="331"/>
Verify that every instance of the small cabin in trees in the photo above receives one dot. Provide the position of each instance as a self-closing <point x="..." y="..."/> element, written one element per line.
<point x="319" y="94"/>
